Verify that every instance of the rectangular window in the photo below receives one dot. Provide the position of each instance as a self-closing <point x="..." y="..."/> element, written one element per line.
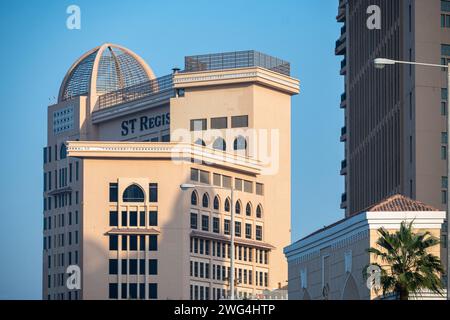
<point x="444" y="182"/>
<point x="113" y="242"/>
<point x="133" y="266"/>
<point x="444" y="196"/>
<point x="205" y="223"/>
<point x="259" y="233"/>
<point x="248" y="230"/>
<point x="124" y="243"/>
<point x="194" y="221"/>
<point x="113" y="266"/>
<point x="443" y="109"/>
<point x="142" y="243"/>
<point x="238" y="184"/>
<point x="153" y="243"/>
<point x="216" y="225"/>
<point x="113" y="192"/>
<point x="77" y="170"/>
<point x="133" y="242"/>
<point x="443" y="153"/>
<point x="198" y="124"/>
<point x="444" y="138"/>
<point x="133" y="219"/>
<point x="226" y="181"/>
<point x="259" y="189"/>
<point x="113" y="291"/>
<point x="217" y="180"/>
<point x="195" y="174"/>
<point x="226" y="227"/>
<point x="49" y="180"/>
<point x="153" y="189"/>
<point x="113" y="219"/>
<point x="237" y="229"/>
<point x="239" y="121"/>
<point x="219" y="123"/>
<point x="152" y="266"/>
<point x="248" y="186"/>
<point x="165" y="138"/>
<point x="124" y="219"/>
<point x="142" y="218"/>
<point x="153" y="291"/>
<point x="153" y="218"/>
<point x="204" y="177"/>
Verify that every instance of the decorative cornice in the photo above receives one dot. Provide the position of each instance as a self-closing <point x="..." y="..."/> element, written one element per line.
<point x="229" y="76"/>
<point x="163" y="150"/>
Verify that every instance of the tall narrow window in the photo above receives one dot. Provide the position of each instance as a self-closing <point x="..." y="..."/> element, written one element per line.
<point x="113" y="192"/>
<point x="205" y="200"/>
<point x="194" y="198"/>
<point x="216" y="203"/>
<point x="153" y="191"/>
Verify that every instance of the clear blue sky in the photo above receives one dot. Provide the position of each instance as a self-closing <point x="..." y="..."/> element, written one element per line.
<point x="38" y="49"/>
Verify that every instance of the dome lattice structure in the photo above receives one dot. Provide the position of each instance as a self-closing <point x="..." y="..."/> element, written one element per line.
<point x="104" y="69"/>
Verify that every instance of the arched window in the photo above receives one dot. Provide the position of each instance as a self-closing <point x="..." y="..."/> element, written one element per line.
<point x="240" y="143"/>
<point x="220" y="144"/>
<point x="227" y="205"/>
<point x="216" y="203"/>
<point x="63" y="151"/>
<point x="194" y="198"/>
<point x="133" y="193"/>
<point x="248" y="209"/>
<point x="200" y="142"/>
<point x="237" y="209"/>
<point x="258" y="211"/>
<point x="205" y="200"/>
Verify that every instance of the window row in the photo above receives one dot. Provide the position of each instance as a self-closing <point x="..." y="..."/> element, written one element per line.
<point x="61" y="200"/>
<point x="133" y="242"/>
<point x="48" y="154"/>
<point x="133" y="266"/>
<point x="133" y="219"/>
<point x="239" y="143"/>
<point x="59" y="220"/>
<point x="205" y="226"/>
<point x="219" y="123"/>
<point x="71" y="295"/>
<point x="59" y="240"/>
<point x="221" y="249"/>
<point x="227" y="205"/>
<point x="133" y="193"/>
<point x="199" y="292"/>
<point x="220" y="180"/>
<point x="133" y="291"/>
<point x="59" y="259"/>
<point x="61" y="177"/>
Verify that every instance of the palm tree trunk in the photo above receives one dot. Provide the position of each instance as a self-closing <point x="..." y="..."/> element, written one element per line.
<point x="404" y="294"/>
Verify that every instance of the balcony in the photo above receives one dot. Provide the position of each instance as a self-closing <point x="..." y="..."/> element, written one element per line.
<point x="344" y="167"/>
<point x="344" y="201"/>
<point x="341" y="11"/>
<point x="343" y="134"/>
<point x="343" y="67"/>
<point x="340" y="47"/>
<point x="343" y="100"/>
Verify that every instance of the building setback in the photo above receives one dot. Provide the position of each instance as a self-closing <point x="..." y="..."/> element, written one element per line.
<point x="395" y="119"/>
<point x="120" y="144"/>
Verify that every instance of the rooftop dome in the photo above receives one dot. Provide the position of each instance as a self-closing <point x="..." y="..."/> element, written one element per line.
<point x="104" y="69"/>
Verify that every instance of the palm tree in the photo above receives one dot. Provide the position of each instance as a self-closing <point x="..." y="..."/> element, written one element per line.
<point x="408" y="268"/>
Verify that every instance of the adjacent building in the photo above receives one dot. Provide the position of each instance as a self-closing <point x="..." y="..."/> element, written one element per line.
<point x="395" y="119"/>
<point x="120" y="143"/>
<point x="329" y="263"/>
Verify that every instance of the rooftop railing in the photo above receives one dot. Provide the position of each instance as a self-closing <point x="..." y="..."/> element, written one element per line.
<point x="233" y="60"/>
<point x="136" y="92"/>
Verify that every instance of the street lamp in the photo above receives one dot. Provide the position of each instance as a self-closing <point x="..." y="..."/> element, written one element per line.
<point x="380" y="63"/>
<point x="187" y="186"/>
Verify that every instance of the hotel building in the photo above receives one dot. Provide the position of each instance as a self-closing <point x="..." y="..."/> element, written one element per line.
<point x="121" y="142"/>
<point x="395" y="118"/>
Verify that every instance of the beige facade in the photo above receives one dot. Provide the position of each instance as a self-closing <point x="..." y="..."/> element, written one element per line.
<point x="329" y="263"/>
<point x="117" y="155"/>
